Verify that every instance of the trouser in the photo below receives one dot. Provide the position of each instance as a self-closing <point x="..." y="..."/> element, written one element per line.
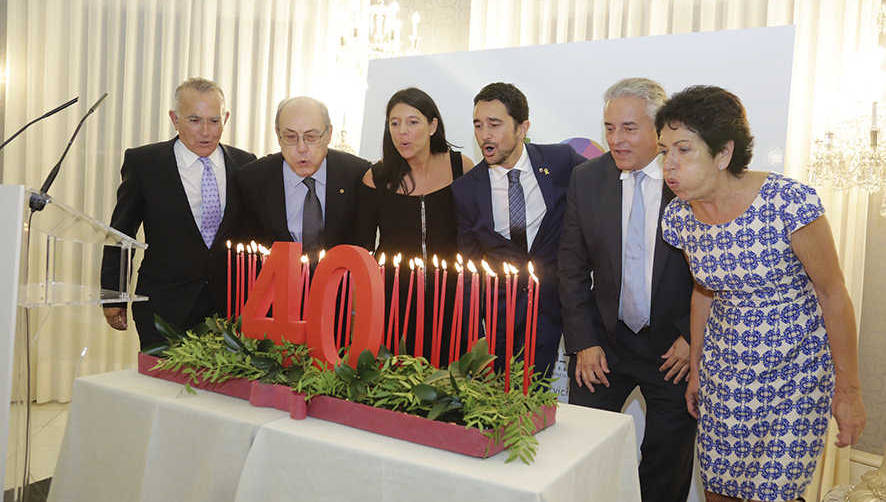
<point x="668" y="444"/>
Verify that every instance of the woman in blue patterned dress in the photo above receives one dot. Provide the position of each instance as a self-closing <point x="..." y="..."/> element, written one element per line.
<point x="773" y="348"/>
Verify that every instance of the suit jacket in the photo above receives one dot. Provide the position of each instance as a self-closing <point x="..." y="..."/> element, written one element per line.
<point x="592" y="244"/>
<point x="177" y="265"/>
<point x="477" y="238"/>
<point x="264" y="200"/>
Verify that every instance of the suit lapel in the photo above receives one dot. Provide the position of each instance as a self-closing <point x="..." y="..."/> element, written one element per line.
<point x="335" y="197"/>
<point x="169" y="169"/>
<point x="276" y="202"/>
<point x="611" y="213"/>
<point x="545" y="185"/>
<point x="660" y="256"/>
<point x="229" y="194"/>
<point x="485" y="190"/>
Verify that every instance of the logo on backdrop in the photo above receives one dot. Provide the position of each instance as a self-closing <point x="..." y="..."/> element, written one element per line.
<point x="585" y="147"/>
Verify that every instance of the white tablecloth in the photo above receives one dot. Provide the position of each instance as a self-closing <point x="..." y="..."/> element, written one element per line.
<point x="587" y="455"/>
<point x="136" y="438"/>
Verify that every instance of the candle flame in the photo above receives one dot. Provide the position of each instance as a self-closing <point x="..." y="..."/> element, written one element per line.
<point x="444" y="264"/>
<point x="487" y="268"/>
<point x="507" y="268"/>
<point x="411" y="264"/>
<point x="458" y="268"/>
<point x="531" y="268"/>
<point x="239" y="247"/>
<point x="436" y="261"/>
<point x="419" y="262"/>
<point x="228" y="243"/>
<point x="514" y="270"/>
<point x="381" y="259"/>
<point x="397" y="259"/>
<point x="253" y="246"/>
<point x="459" y="259"/>
<point x="321" y="255"/>
<point x="472" y="267"/>
<point x="304" y="258"/>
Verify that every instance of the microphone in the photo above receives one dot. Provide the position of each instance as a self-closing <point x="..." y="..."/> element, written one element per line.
<point x="38" y="119"/>
<point x="38" y="201"/>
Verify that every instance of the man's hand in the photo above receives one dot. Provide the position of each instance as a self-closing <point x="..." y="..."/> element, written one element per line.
<point x="591" y="368"/>
<point x="676" y="361"/>
<point x="848" y="410"/>
<point x="116" y="317"/>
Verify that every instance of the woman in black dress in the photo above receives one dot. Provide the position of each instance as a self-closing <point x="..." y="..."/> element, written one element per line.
<point x="406" y="197"/>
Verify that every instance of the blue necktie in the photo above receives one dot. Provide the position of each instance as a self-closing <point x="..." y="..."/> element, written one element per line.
<point x="516" y="209"/>
<point x="634" y="304"/>
<point x="210" y="203"/>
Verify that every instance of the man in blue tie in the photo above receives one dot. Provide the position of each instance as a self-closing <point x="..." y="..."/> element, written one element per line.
<point x="626" y="293"/>
<point x="181" y="191"/>
<point x="510" y="207"/>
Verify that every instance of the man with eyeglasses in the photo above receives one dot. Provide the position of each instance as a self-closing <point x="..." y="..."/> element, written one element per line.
<point x="307" y="192"/>
<point x="181" y="191"/>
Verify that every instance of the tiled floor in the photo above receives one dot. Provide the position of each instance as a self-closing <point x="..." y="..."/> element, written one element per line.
<point x="48" y="423"/>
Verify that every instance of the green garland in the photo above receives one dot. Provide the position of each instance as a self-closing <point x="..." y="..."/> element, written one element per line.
<point x="466" y="393"/>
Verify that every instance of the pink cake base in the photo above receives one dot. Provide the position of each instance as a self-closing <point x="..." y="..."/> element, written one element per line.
<point x="443" y="435"/>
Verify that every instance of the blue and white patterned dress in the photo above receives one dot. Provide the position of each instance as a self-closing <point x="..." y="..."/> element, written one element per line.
<point x="766" y="377"/>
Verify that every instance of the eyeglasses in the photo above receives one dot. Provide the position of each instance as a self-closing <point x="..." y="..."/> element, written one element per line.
<point x="310" y="138"/>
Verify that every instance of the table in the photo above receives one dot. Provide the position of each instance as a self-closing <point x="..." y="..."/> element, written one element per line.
<point x="135" y="438"/>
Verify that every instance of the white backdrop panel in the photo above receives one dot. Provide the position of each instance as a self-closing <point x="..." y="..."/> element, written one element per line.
<point x="564" y="83"/>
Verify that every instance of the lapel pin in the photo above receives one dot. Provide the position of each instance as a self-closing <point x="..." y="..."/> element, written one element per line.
<point x="544" y="170"/>
<point x="341" y="190"/>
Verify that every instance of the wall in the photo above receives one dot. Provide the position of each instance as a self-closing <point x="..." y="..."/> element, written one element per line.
<point x="872" y="347"/>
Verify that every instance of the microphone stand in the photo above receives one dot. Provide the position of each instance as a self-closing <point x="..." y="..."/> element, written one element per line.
<point x="38" y="119"/>
<point x="39" y="200"/>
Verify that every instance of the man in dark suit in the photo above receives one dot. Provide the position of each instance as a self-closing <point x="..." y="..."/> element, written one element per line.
<point x="181" y="190"/>
<point x="626" y="293"/>
<point x="510" y="207"/>
<point x="306" y="193"/>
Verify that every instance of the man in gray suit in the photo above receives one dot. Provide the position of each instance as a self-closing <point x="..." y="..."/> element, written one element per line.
<point x="629" y="325"/>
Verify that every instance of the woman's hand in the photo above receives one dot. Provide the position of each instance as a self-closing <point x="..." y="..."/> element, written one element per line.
<point x="692" y="394"/>
<point x="848" y="410"/>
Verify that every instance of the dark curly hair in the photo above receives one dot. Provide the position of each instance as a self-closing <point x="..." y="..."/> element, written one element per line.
<point x="513" y="99"/>
<point x="717" y="116"/>
<point x="393" y="170"/>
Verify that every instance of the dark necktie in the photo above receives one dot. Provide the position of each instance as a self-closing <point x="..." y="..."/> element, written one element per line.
<point x="517" y="209"/>
<point x="312" y="218"/>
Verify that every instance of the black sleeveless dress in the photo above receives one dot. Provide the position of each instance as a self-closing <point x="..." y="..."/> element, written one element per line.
<point x="416" y="226"/>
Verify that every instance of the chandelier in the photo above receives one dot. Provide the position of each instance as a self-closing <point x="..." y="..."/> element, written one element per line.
<point x="385" y="30"/>
<point x="851" y="156"/>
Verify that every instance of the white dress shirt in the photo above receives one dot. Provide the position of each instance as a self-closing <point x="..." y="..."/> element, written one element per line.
<point x="295" y="192"/>
<point x="652" y="185"/>
<point x="535" y="201"/>
<point x="190" y="169"/>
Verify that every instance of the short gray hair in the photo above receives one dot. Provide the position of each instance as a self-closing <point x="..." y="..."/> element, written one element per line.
<point x="302" y="99"/>
<point x="198" y="84"/>
<point x="650" y="91"/>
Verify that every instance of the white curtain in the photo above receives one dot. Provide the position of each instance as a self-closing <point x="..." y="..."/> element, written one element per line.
<point x="260" y="51"/>
<point x="835" y="75"/>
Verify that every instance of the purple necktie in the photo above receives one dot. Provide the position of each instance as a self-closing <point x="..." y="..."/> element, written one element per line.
<point x="211" y="205"/>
